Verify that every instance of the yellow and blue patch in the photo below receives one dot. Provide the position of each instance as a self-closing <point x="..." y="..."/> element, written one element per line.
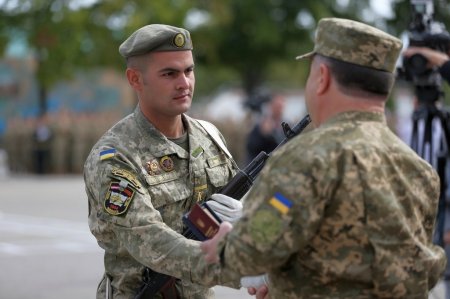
<point x="281" y="203"/>
<point x="106" y="154"/>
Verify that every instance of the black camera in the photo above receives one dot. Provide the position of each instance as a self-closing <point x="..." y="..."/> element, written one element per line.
<point x="423" y="31"/>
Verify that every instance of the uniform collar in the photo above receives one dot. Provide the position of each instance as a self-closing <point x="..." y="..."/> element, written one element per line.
<point x="160" y="145"/>
<point x="357" y="116"/>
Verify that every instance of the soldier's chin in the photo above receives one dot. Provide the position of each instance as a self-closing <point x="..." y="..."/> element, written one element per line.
<point x="184" y="107"/>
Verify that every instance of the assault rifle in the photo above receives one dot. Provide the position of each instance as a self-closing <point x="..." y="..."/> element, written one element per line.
<point x="236" y="188"/>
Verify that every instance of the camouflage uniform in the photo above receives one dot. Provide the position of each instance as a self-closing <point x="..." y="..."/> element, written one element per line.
<point x="139" y="184"/>
<point x="346" y="210"/>
<point x="356" y="220"/>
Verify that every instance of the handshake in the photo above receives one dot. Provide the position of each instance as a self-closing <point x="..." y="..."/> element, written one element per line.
<point x="228" y="210"/>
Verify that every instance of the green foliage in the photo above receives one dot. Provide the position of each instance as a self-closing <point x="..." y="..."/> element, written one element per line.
<point x="253" y="42"/>
<point x="66" y="39"/>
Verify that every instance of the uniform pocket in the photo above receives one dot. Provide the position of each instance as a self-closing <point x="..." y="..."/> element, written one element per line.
<point x="168" y="188"/>
<point x="218" y="175"/>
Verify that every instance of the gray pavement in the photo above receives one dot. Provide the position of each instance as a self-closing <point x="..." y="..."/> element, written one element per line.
<point x="46" y="249"/>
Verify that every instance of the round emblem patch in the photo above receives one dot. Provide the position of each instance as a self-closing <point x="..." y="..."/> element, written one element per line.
<point x="179" y="40"/>
<point x="166" y="163"/>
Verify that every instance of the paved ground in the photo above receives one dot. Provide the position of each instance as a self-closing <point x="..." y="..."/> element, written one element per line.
<point x="46" y="249"/>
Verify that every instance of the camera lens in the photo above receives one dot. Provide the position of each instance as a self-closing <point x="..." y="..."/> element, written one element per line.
<point x="417" y="64"/>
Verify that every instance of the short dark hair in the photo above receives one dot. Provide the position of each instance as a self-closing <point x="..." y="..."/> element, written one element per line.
<point x="138" y="62"/>
<point x="355" y="78"/>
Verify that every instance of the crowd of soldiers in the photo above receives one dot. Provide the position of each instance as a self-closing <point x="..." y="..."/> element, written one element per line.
<point x="56" y="143"/>
<point x="59" y="143"/>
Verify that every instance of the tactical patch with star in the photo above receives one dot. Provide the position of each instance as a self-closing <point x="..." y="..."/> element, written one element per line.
<point x="118" y="198"/>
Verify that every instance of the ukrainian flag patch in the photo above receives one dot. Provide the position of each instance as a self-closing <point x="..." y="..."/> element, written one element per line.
<point x="281" y="203"/>
<point x="106" y="154"/>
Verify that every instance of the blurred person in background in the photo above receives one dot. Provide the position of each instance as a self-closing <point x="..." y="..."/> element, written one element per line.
<point x="267" y="133"/>
<point x="346" y="210"/>
<point x="434" y="58"/>
<point x="440" y="61"/>
<point x="150" y="168"/>
<point x="42" y="137"/>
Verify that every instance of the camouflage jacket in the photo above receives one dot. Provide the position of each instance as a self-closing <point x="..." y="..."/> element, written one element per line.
<point x="139" y="185"/>
<point x="344" y="211"/>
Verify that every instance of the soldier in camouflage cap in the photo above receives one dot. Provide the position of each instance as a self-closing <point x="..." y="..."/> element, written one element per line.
<point x="150" y="168"/>
<point x="346" y="210"/>
<point x="356" y="43"/>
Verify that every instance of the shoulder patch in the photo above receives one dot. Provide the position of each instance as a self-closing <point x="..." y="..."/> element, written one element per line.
<point x="127" y="175"/>
<point x="118" y="198"/>
<point x="106" y="154"/>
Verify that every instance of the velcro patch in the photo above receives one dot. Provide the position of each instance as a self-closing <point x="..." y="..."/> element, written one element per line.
<point x="265" y="226"/>
<point x="217" y="160"/>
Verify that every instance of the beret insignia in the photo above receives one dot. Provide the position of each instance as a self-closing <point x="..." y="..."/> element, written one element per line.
<point x="179" y="40"/>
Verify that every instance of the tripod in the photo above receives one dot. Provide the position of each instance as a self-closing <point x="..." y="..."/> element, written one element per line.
<point x="429" y="112"/>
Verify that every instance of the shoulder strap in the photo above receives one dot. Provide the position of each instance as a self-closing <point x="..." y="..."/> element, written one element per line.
<point x="212" y="131"/>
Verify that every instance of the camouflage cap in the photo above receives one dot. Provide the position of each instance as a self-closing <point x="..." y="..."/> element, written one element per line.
<point x="156" y="38"/>
<point x="357" y="43"/>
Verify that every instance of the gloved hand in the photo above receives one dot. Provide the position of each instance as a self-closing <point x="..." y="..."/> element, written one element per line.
<point x="227" y="208"/>
<point x="254" y="281"/>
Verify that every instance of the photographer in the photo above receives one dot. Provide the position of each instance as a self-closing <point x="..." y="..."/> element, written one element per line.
<point x="435" y="59"/>
<point x="441" y="62"/>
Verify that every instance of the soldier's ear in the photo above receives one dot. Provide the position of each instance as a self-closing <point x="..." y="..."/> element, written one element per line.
<point x="134" y="77"/>
<point x="324" y="79"/>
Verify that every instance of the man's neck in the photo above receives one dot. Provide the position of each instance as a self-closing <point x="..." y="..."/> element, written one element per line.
<point x="174" y="129"/>
<point x="171" y="127"/>
<point x="343" y="104"/>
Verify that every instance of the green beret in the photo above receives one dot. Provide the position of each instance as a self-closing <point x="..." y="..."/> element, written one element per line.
<point x="156" y="38"/>
<point x="356" y="43"/>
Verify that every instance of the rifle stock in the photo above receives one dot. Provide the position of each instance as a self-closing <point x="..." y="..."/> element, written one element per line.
<point x="236" y="188"/>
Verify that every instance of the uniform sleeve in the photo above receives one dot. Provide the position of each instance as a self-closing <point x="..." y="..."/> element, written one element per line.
<point x="122" y="216"/>
<point x="267" y="235"/>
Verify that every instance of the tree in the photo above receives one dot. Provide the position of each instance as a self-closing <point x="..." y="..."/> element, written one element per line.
<point x="66" y="38"/>
<point x="252" y="36"/>
<point x="249" y="39"/>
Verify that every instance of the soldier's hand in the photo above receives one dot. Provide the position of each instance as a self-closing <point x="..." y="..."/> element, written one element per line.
<point x="434" y="57"/>
<point x="227" y="208"/>
<point x="447" y="237"/>
<point x="209" y="247"/>
<point x="260" y="293"/>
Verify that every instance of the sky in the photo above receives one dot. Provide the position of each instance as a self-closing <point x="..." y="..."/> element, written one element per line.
<point x="73" y="4"/>
<point x="378" y="8"/>
<point x="381" y="7"/>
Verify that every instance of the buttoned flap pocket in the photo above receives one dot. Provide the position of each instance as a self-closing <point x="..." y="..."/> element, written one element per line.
<point x="168" y="188"/>
<point x="219" y="175"/>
